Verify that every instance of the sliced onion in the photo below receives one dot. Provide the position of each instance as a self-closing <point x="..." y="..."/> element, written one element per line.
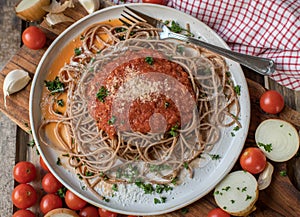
<point x="278" y="139"/>
<point x="31" y="10"/>
<point x="237" y="193"/>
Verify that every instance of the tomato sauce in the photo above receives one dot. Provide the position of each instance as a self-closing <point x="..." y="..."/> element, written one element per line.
<point x="144" y="92"/>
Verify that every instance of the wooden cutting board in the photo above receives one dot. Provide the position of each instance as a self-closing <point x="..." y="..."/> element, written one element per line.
<point x="281" y="198"/>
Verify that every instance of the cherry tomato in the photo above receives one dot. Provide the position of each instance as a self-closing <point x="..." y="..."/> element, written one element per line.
<point x="23" y="213"/>
<point x="50" y="184"/>
<point x="89" y="211"/>
<point x="43" y="165"/>
<point x="271" y="102"/>
<point x="24" y="172"/>
<point x="34" y="38"/>
<point x="50" y="202"/>
<point x="217" y="212"/>
<point x="253" y="160"/>
<point x="73" y="201"/>
<point x="106" y="213"/>
<point x="161" y="2"/>
<point x="24" y="196"/>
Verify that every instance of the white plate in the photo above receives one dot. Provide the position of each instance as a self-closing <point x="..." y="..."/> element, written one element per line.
<point x="205" y="178"/>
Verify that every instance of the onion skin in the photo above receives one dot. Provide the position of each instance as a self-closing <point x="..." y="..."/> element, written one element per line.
<point x="33" y="13"/>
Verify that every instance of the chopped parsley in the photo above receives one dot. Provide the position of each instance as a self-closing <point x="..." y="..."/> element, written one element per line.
<point x="149" y="60"/>
<point x="161" y="200"/>
<point x="283" y="173"/>
<point x="112" y="120"/>
<point x="226" y="188"/>
<point x="62" y="192"/>
<point x="58" y="162"/>
<point x="148" y="188"/>
<point x="120" y="29"/>
<point x="174" y="180"/>
<point x="244" y="189"/>
<point x="175" y="27"/>
<point x="160" y="188"/>
<point x="232" y="201"/>
<point x="114" y="187"/>
<point x="88" y="173"/>
<point x="236" y="128"/>
<point x="77" y="51"/>
<point x="60" y="102"/>
<point x="102" y="94"/>
<point x="186" y="165"/>
<point x="267" y="147"/>
<point x="237" y="89"/>
<point x="31" y="143"/>
<point x="215" y="156"/>
<point x="248" y="197"/>
<point x="174" y="131"/>
<point x="55" y="86"/>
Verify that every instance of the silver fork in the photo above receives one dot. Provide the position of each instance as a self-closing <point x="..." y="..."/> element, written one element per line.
<point x="264" y="66"/>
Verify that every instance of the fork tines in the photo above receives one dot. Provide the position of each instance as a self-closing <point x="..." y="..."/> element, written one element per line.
<point x="130" y="18"/>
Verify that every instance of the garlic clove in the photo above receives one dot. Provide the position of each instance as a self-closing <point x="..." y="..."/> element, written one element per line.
<point x="265" y="177"/>
<point x="90" y="5"/>
<point x="15" y="81"/>
<point x="31" y="10"/>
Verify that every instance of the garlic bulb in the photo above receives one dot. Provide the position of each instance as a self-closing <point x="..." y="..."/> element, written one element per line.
<point x="90" y="5"/>
<point x="15" y="81"/>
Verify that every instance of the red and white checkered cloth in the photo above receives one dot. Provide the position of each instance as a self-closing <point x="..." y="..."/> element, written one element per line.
<point x="269" y="28"/>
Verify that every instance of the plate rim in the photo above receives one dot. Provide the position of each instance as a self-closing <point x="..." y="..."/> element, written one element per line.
<point x="162" y="210"/>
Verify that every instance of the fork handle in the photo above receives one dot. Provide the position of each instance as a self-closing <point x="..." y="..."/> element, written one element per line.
<point x="264" y="66"/>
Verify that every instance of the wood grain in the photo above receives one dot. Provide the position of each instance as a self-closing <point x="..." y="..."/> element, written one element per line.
<point x="280" y="199"/>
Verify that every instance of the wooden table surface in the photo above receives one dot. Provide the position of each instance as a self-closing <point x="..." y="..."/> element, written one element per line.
<point x="14" y="137"/>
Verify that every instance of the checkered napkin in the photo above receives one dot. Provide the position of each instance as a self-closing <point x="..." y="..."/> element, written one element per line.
<point x="268" y="28"/>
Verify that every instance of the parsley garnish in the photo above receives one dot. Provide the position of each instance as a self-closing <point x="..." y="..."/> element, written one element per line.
<point x="214" y="156"/>
<point x="58" y="162"/>
<point x="55" y="86"/>
<point x="174" y="131"/>
<point x="62" y="192"/>
<point x="114" y="187"/>
<point x="148" y="188"/>
<point x="112" y="120"/>
<point x="237" y="89"/>
<point x="175" y="27"/>
<point x="267" y="147"/>
<point x="88" y="173"/>
<point x="31" y="143"/>
<point x="149" y="60"/>
<point x="161" y="200"/>
<point x="60" y="102"/>
<point x="283" y="173"/>
<point x="186" y="165"/>
<point x="102" y="94"/>
<point x="248" y="197"/>
<point x="77" y="51"/>
<point x="174" y="180"/>
<point x="236" y="128"/>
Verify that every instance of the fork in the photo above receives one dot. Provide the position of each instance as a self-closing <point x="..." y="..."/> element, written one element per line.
<point x="264" y="66"/>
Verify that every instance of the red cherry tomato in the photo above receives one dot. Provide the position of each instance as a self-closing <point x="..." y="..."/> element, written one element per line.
<point x="161" y="2"/>
<point x="89" y="211"/>
<point x="34" y="38"/>
<point x="43" y="165"/>
<point x="23" y="213"/>
<point x="50" y="202"/>
<point x="24" y="172"/>
<point x="50" y="183"/>
<point x="73" y="201"/>
<point x="106" y="213"/>
<point x="24" y="196"/>
<point x="253" y="160"/>
<point x="217" y="212"/>
<point x="271" y="102"/>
